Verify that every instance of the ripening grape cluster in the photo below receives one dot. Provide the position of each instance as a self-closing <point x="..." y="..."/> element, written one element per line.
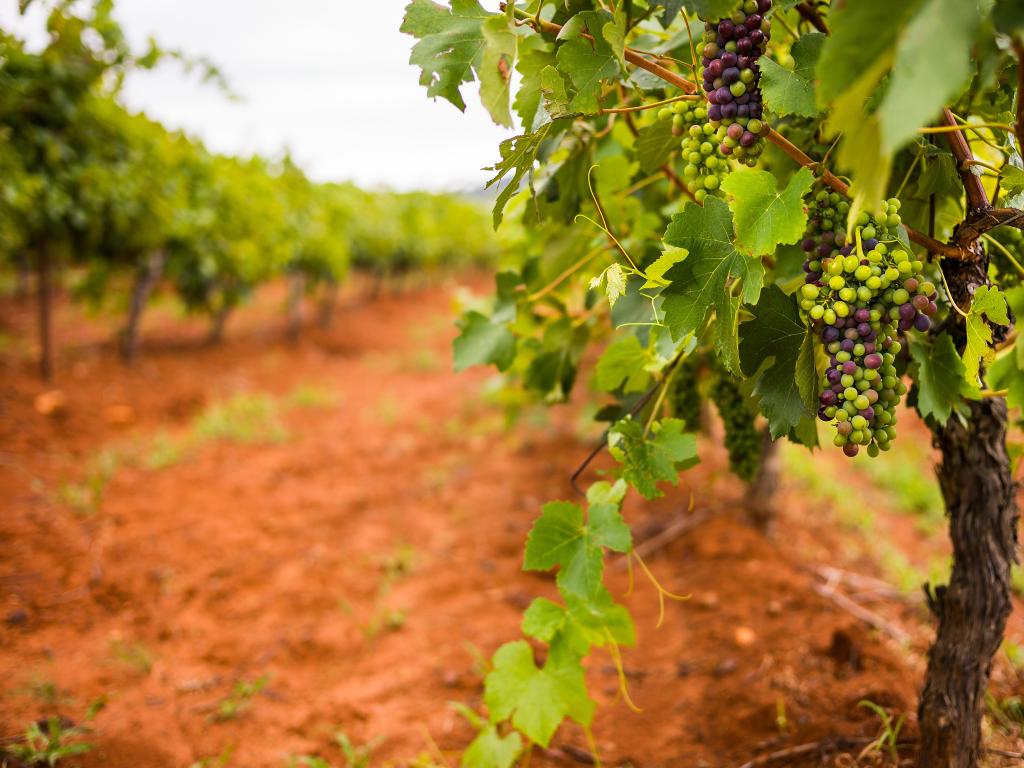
<point x="685" y="395"/>
<point x="1012" y="241"/>
<point x="704" y="163"/>
<point x="742" y="437"/>
<point x="731" y="49"/>
<point x="862" y="291"/>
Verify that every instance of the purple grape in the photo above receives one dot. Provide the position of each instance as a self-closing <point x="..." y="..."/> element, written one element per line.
<point x="849" y="367"/>
<point x="834" y="375"/>
<point x="747" y="139"/>
<point x="726" y="29"/>
<point x="730" y="59"/>
<point x="743" y="110"/>
<point x="746" y="44"/>
<point x="714" y="69"/>
<point x="922" y="323"/>
<point x="907" y="311"/>
<point x="868" y="413"/>
<point x="851" y="449"/>
<point x="847" y="345"/>
<point x="920" y="302"/>
<point x="724" y="96"/>
<point x="864" y="330"/>
<point x="807" y="244"/>
<point x="873" y="361"/>
<point x="735" y="131"/>
<point x="728" y="111"/>
<point x="714" y="113"/>
<point x="911" y="284"/>
<point x="753" y="21"/>
<point x="870" y="244"/>
<point x="764" y="6"/>
<point x="830" y="334"/>
<point x="828" y="397"/>
<point x="862" y="315"/>
<point x="824" y="250"/>
<point x="730" y="75"/>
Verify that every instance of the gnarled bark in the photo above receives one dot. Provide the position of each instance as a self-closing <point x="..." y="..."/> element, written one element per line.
<point x="146" y="278"/>
<point x="44" y="292"/>
<point x="760" y="496"/>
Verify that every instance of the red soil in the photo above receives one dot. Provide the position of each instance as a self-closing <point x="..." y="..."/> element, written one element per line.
<point x="403" y="499"/>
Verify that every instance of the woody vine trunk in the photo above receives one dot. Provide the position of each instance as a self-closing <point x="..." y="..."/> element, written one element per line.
<point x="972" y="609"/>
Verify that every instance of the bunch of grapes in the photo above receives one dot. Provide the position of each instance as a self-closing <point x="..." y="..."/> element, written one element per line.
<point x="731" y="49"/>
<point x="685" y="396"/>
<point x="862" y="291"/>
<point x="704" y="165"/>
<point x="742" y="438"/>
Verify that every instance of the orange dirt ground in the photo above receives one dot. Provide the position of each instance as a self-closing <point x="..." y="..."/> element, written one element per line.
<point x="362" y="562"/>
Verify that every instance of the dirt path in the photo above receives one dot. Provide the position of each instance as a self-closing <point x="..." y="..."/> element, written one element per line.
<point x="355" y="560"/>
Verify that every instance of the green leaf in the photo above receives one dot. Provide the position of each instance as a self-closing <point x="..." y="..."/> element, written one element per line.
<point x="764" y="217"/>
<point x="1012" y="180"/>
<point x="543" y="619"/>
<point x="451" y="44"/>
<point x="659" y="456"/>
<point x="624" y="364"/>
<point x="588" y="62"/>
<point x="483" y="342"/>
<point x="532" y="61"/>
<point x="614" y="33"/>
<point x="495" y="70"/>
<point x="492" y="750"/>
<point x="988" y="306"/>
<point x="863" y="34"/>
<point x="787" y="385"/>
<point x="940" y="377"/>
<point x="711" y="10"/>
<point x="599" y="618"/>
<point x="603" y="492"/>
<point x="672" y="8"/>
<point x="792" y="93"/>
<point x="933" y="61"/>
<point x="1008" y="16"/>
<point x="654" y="144"/>
<point x="655" y="272"/>
<point x="536" y="700"/>
<point x="518" y="154"/>
<point x="562" y="538"/>
<point x="556" y="99"/>
<point x="704" y="280"/>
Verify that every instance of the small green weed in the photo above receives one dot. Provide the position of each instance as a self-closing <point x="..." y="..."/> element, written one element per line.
<point x="888" y="734"/>
<point x="244" y="418"/>
<point x="1007" y="714"/>
<point x="219" y="761"/>
<point x="132" y="654"/>
<point x="309" y="396"/>
<point x="356" y="755"/>
<point x="164" y="452"/>
<point x="47" y="742"/>
<point x="239" y="700"/>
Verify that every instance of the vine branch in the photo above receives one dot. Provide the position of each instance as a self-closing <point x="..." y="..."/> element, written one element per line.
<point x="977" y="198"/>
<point x="1018" y="48"/>
<point x="811" y="15"/>
<point x="948" y="250"/>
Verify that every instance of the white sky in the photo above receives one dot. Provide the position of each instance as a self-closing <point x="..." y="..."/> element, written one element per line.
<point x="327" y="79"/>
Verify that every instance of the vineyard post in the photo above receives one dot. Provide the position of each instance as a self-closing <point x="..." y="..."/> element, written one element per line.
<point x="978" y="490"/>
<point x="44" y="294"/>
<point x="146" y="277"/>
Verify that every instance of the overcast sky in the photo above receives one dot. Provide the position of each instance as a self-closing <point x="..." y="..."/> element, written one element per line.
<point x="328" y="79"/>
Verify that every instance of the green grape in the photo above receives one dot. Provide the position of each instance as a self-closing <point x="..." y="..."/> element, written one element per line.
<point x="742" y="437"/>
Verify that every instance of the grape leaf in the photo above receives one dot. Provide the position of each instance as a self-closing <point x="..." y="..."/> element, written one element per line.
<point x="940" y="377"/>
<point x="624" y="364"/>
<point x="655" y="144"/>
<point x="587" y="61"/>
<point x="492" y="750"/>
<point x="599" y="618"/>
<point x="536" y="699"/>
<point x="483" y="342"/>
<point x="603" y="492"/>
<point x="672" y="8"/>
<point x="863" y="34"/>
<point x="787" y="385"/>
<point x="710" y="10"/>
<point x="932" y="63"/>
<point x="792" y="93"/>
<point x="988" y="306"/>
<point x="450" y="44"/>
<point x="543" y="619"/>
<point x="495" y="69"/>
<point x="704" y="279"/>
<point x="661" y="455"/>
<point x="561" y="537"/>
<point x="1008" y="16"/>
<point x="1012" y="180"/>
<point x="533" y="58"/>
<point x="655" y="271"/>
<point x="764" y="217"/>
<point x="614" y="33"/>
<point x="518" y="155"/>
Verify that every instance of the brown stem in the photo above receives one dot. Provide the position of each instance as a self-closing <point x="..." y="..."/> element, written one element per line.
<point x="1018" y="48"/>
<point x="297" y="287"/>
<point x="810" y="13"/>
<point x="760" y="496"/>
<point x="977" y="198"/>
